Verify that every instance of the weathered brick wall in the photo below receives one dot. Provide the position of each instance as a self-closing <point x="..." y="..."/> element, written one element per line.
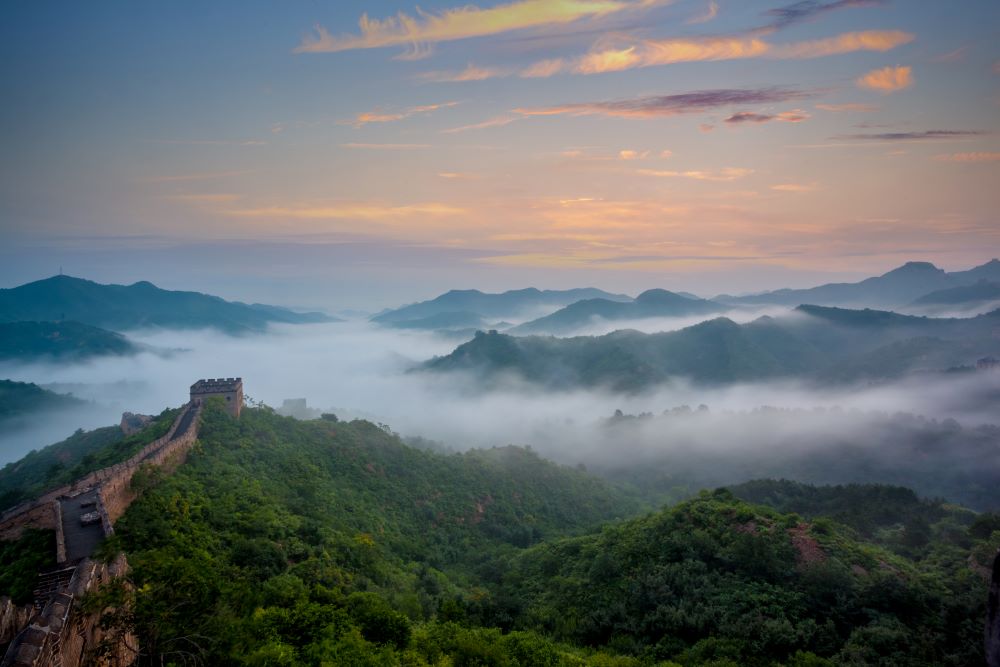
<point x="42" y="515"/>
<point x="114" y="481"/>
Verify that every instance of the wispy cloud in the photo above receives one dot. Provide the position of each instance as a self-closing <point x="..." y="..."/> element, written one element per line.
<point x="385" y="147"/>
<point x="710" y="13"/>
<point x="795" y="187"/>
<point x="925" y="135"/>
<point x="543" y="69"/>
<point x="797" y="12"/>
<point x="848" y="42"/>
<point x="462" y="23"/>
<point x="795" y="116"/>
<point x="347" y="211"/>
<point x="722" y="175"/>
<point x="969" y="157"/>
<point x="849" y="107"/>
<point x="385" y="116"/>
<point x="887" y="79"/>
<point x="499" y="121"/>
<point x="470" y="73"/>
<point x="616" y="54"/>
<point x="656" y="106"/>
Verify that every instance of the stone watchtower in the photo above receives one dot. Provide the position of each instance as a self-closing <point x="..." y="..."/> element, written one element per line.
<point x="230" y="389"/>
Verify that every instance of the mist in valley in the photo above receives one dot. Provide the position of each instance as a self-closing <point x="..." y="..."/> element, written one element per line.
<point x="358" y="370"/>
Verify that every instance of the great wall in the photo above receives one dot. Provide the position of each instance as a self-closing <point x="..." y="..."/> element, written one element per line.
<point x="53" y="631"/>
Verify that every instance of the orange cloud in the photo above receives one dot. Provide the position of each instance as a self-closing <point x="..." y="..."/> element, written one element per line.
<point x="648" y="53"/>
<point x="867" y="40"/>
<point x="970" y="157"/>
<point x="722" y="175"/>
<point x="543" y="69"/>
<point x="378" y="116"/>
<point x="347" y="211"/>
<point x="462" y="23"/>
<point x="499" y="121"/>
<point x="470" y="73"/>
<point x="795" y="187"/>
<point x="887" y="79"/>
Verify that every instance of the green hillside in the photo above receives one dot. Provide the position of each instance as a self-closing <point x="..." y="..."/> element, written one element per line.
<point x="718" y="581"/>
<point x="63" y="341"/>
<point x="817" y="343"/>
<point x="19" y="400"/>
<point x="282" y="542"/>
<point x="122" y="307"/>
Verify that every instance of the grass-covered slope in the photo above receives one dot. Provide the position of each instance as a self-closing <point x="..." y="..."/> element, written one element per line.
<point x="717" y="581"/>
<point x="74" y="457"/>
<point x="62" y="341"/>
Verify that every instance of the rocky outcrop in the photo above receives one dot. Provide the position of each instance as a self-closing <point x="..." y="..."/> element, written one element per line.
<point x="12" y="619"/>
<point x="993" y="617"/>
<point x="62" y="634"/>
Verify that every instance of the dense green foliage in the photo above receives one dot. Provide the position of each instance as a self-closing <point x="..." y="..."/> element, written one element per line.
<point x="22" y="560"/>
<point x="63" y="341"/>
<point x="829" y="344"/>
<point x="651" y="303"/>
<point x="22" y="399"/>
<point x="119" y="307"/>
<point x="74" y="457"/>
<point x="281" y="537"/>
<point x="329" y="543"/>
<point x="716" y="578"/>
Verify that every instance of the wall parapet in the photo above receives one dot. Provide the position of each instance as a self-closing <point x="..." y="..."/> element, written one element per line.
<point x="38" y="513"/>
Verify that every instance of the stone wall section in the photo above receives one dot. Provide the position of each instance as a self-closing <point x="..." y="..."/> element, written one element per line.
<point x="113" y="480"/>
<point x="63" y="635"/>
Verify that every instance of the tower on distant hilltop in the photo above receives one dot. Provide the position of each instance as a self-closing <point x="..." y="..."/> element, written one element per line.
<point x="230" y="389"/>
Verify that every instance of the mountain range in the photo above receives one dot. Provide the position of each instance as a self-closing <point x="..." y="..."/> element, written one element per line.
<point x="513" y="304"/>
<point x="814" y="342"/>
<point x="898" y="287"/>
<point x="140" y="305"/>
<point x="649" y="304"/>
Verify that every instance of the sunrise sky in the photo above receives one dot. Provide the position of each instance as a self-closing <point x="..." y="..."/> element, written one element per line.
<point x="364" y="154"/>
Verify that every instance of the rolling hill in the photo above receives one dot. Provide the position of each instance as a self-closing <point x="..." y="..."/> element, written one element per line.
<point x="64" y="341"/>
<point x="140" y="305"/>
<point x="19" y="400"/>
<point x="817" y="343"/>
<point x="651" y="303"/>
<point x="513" y="304"/>
<point x="326" y="542"/>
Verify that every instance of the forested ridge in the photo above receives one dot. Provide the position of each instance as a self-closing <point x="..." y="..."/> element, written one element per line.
<point x="331" y="543"/>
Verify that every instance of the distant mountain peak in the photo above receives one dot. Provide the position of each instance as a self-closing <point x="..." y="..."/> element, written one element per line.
<point x="914" y="268"/>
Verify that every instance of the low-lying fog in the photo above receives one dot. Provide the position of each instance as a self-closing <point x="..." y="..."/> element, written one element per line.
<point x="356" y="369"/>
